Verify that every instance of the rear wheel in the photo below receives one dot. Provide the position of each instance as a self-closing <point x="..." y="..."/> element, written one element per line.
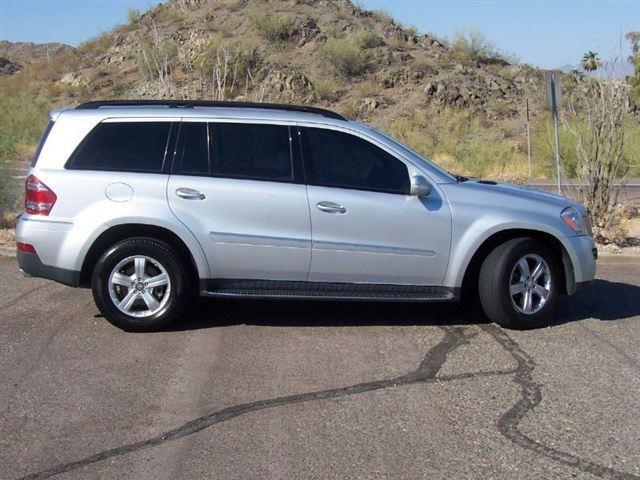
<point x="140" y="284"/>
<point x="519" y="284"/>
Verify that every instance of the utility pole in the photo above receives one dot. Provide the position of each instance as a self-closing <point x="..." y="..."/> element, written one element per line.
<point x="528" y="139"/>
<point x="553" y="98"/>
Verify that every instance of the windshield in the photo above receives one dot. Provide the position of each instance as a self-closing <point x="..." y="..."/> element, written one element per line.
<point x="411" y="154"/>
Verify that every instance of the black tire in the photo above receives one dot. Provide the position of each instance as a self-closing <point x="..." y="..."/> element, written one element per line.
<point x="178" y="287"/>
<point x="495" y="280"/>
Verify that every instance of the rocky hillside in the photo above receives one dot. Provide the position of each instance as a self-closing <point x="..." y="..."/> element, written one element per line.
<point x="24" y="53"/>
<point x="291" y="51"/>
<point x="332" y="53"/>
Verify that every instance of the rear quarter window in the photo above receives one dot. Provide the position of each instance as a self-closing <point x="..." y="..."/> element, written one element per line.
<point x="43" y="139"/>
<point x="123" y="146"/>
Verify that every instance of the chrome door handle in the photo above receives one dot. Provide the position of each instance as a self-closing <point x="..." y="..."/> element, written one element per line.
<point x="330" y="207"/>
<point x="190" y="194"/>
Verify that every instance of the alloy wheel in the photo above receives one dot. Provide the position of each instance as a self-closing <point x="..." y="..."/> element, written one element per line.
<point x="530" y="284"/>
<point x="139" y="286"/>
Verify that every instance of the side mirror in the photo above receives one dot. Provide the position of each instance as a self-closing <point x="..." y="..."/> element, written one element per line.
<point x="420" y="187"/>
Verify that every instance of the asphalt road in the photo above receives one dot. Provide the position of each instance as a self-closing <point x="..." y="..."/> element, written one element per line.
<point x="293" y="390"/>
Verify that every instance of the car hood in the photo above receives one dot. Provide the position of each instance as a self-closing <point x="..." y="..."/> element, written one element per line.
<point x="522" y="193"/>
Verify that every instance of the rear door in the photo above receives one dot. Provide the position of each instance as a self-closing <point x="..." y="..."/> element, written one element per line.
<point x="366" y="227"/>
<point x="236" y="187"/>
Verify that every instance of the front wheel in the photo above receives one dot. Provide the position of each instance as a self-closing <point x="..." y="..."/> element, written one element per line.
<point x="140" y="284"/>
<point x="519" y="284"/>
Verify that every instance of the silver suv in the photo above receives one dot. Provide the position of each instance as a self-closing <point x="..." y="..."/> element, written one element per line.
<point x="151" y="202"/>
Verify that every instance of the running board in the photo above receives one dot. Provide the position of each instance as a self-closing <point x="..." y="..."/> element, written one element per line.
<point x="239" y="288"/>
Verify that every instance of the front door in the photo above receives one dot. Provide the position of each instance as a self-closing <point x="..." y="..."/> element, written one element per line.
<point x="232" y="185"/>
<point x="366" y="228"/>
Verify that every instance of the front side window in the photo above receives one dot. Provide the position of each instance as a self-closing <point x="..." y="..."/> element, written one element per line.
<point x="337" y="159"/>
<point x="251" y="151"/>
<point x="124" y="146"/>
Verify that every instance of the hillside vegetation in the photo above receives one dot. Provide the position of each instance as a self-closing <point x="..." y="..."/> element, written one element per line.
<point x="462" y="103"/>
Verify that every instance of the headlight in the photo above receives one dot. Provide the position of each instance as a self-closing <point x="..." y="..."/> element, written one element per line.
<point x="572" y="217"/>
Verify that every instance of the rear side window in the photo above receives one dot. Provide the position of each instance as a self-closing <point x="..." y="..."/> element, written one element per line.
<point x="124" y="146"/>
<point x="259" y="152"/>
<point x="337" y="159"/>
<point x="192" y="150"/>
<point x="41" y="143"/>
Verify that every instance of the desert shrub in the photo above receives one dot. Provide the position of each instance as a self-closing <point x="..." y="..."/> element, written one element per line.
<point x="368" y="39"/>
<point x="460" y="142"/>
<point x="333" y="30"/>
<point x="157" y="54"/>
<point x="7" y="154"/>
<point x="473" y="45"/>
<point x="382" y="15"/>
<point x="346" y="56"/>
<point x="99" y="44"/>
<point x="244" y="55"/>
<point x="133" y="16"/>
<point x="326" y="88"/>
<point x="23" y="114"/>
<point x="225" y="66"/>
<point x="274" y="26"/>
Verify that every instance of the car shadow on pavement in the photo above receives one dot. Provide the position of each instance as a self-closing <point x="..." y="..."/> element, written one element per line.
<point x="602" y="300"/>
<point x="208" y="313"/>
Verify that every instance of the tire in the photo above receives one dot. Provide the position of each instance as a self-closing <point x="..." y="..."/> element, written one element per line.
<point x="504" y="272"/>
<point x="122" y="276"/>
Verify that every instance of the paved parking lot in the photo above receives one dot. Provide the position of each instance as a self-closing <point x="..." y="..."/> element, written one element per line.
<point x="281" y="390"/>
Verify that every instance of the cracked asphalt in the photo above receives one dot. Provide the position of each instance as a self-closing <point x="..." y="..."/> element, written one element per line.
<point x="312" y="390"/>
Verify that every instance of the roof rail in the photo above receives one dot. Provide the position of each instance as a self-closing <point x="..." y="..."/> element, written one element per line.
<point x="207" y="103"/>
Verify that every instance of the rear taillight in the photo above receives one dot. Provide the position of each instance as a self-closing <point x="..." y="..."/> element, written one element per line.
<point x="38" y="199"/>
<point x="25" y="247"/>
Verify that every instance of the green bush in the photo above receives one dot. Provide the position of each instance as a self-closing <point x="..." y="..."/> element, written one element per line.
<point x="326" y="88"/>
<point x="368" y="39"/>
<point x="347" y="56"/>
<point x="473" y="45"/>
<point x="459" y="142"/>
<point x="274" y="26"/>
<point x="7" y="154"/>
<point x="23" y="116"/>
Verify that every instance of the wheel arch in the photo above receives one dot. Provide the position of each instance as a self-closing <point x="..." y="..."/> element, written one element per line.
<point x="472" y="268"/>
<point x="120" y="232"/>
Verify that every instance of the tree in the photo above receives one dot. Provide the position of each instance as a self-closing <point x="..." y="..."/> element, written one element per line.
<point x="596" y="118"/>
<point x="634" y="58"/>
<point x="590" y="61"/>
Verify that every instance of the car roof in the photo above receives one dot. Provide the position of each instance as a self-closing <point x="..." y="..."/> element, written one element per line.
<point x="204" y="110"/>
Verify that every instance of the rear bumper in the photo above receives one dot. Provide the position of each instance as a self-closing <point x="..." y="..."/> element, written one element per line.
<point x="31" y="265"/>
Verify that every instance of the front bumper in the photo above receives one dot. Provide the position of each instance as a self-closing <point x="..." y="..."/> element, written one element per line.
<point x="31" y="265"/>
<point x="583" y="254"/>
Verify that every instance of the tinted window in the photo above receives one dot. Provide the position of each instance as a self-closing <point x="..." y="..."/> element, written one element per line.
<point x="127" y="146"/>
<point x="336" y="159"/>
<point x="41" y="143"/>
<point x="260" y="152"/>
<point x="192" y="152"/>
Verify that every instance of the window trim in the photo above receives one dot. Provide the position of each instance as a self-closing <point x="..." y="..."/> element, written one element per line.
<point x="306" y="154"/>
<point x="163" y="169"/>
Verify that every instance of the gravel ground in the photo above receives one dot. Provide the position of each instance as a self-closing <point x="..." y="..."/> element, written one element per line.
<point x="279" y="390"/>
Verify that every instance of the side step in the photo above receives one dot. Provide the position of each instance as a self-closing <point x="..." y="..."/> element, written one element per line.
<point x="231" y="288"/>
